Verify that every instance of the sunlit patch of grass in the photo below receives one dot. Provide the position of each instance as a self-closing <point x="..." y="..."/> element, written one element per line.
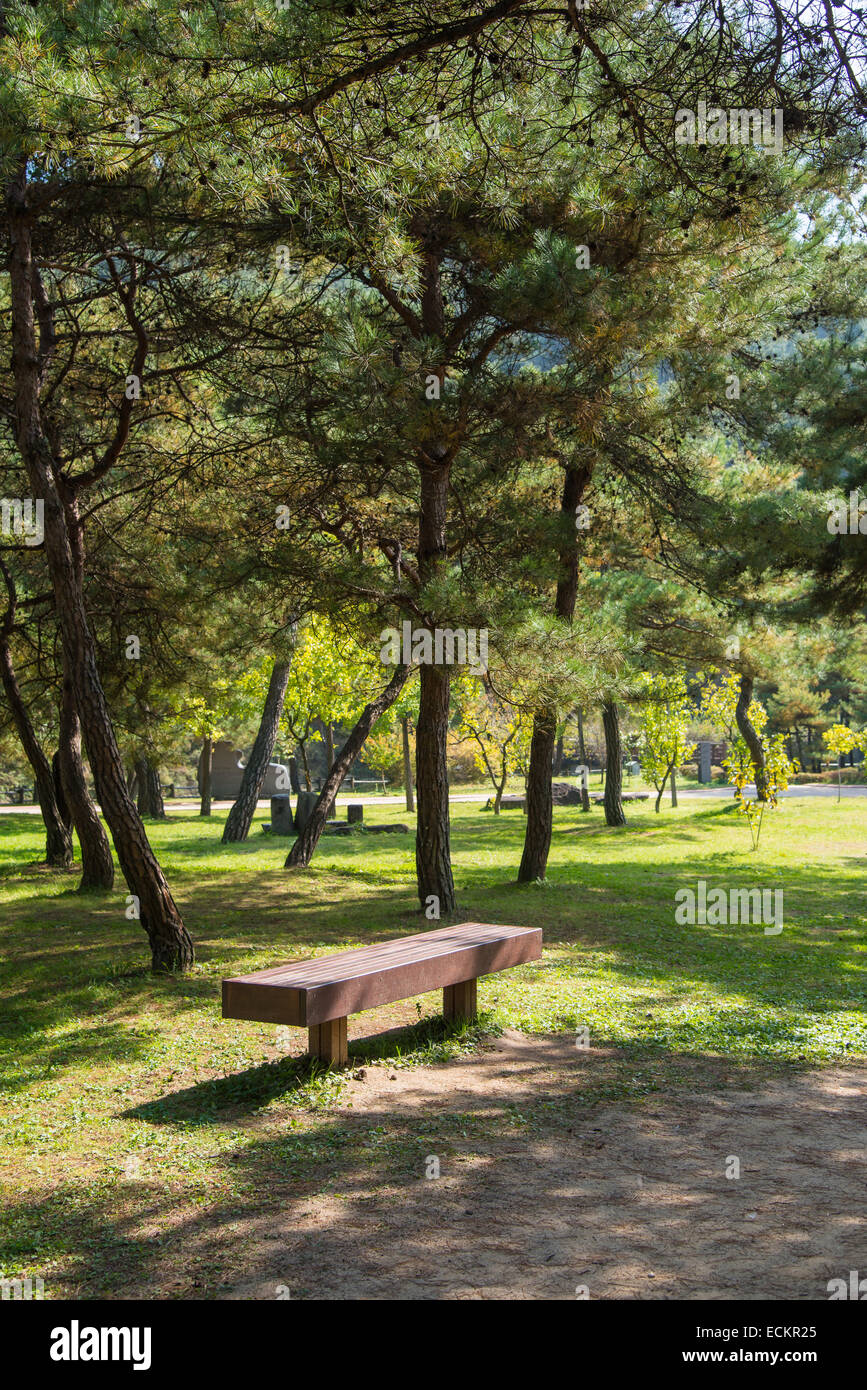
<point x="123" y="1089"/>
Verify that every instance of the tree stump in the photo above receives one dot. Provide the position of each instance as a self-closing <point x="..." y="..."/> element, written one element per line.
<point x="355" y="813"/>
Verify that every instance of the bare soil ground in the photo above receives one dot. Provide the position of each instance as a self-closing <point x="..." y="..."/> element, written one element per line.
<point x="631" y="1201"/>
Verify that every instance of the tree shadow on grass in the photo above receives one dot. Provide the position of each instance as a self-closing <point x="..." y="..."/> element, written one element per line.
<point x="57" y="972"/>
<point x="541" y="1181"/>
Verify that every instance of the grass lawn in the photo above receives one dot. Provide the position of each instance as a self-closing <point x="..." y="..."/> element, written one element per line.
<point x="131" y="1111"/>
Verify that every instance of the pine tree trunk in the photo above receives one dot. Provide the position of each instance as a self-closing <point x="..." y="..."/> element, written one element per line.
<point x="613" y="765"/>
<point x="432" y="839"/>
<point x="407" y="764"/>
<point x="150" y="794"/>
<point x="302" y="748"/>
<point x="558" y="756"/>
<point x="145" y="787"/>
<point x="158" y="810"/>
<point x="540" y="810"/>
<point x="97" y="865"/>
<point x="207" y="759"/>
<point x="537" y="836"/>
<point x="59" y="794"/>
<point x="58" y="839"/>
<point x="328" y="733"/>
<point x="750" y="737"/>
<point x="582" y="753"/>
<point x="432" y="847"/>
<point x="171" y="948"/>
<point x="240" y="817"/>
<point x="303" y="849"/>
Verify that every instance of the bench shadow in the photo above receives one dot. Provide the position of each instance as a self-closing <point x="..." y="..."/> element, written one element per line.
<point x="251" y="1090"/>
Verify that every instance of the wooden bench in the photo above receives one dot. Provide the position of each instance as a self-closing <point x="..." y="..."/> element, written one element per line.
<point x="320" y="994"/>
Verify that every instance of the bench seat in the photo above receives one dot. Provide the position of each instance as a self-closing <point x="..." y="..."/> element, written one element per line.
<point x="319" y="994"/>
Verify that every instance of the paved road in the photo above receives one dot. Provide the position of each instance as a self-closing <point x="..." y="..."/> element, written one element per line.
<point x="810" y="789"/>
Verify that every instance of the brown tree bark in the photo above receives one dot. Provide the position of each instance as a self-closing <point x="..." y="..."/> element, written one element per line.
<point x="97" y="865"/>
<point x="407" y="763"/>
<point x="558" y="756"/>
<point x="60" y="796"/>
<point x="540" y="811"/>
<point x="302" y="749"/>
<point x="750" y="737"/>
<point x="171" y="948"/>
<point x="328" y="735"/>
<point x="582" y="753"/>
<point x="150" y="792"/>
<point x="614" y="814"/>
<point x="537" y="836"/>
<point x="303" y="849"/>
<point x="207" y="761"/>
<point x="433" y="836"/>
<point x="240" y="818"/>
<point x="58" y="840"/>
<point x="432" y="840"/>
<point x="143" y="787"/>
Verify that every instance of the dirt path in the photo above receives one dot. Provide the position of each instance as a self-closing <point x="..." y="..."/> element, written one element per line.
<point x="632" y="1202"/>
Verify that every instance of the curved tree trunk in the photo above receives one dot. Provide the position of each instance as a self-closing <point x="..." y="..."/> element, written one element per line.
<point x="407" y="763"/>
<point x="302" y="749"/>
<point x="58" y="839"/>
<point x="97" y="865"/>
<point x="171" y="947"/>
<point x="302" y="851"/>
<point x="750" y="737"/>
<point x="537" y="836"/>
<point x="240" y="818"/>
<point x="207" y="760"/>
<point x="328" y="737"/>
<point x="613" y="766"/>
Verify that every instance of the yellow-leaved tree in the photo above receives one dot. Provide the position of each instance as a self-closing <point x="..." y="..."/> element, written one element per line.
<point x="840" y="739"/>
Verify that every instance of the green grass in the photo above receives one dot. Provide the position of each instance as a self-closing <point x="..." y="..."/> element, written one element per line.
<point x="131" y="1109"/>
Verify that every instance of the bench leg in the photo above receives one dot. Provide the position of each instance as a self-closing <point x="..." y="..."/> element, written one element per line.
<point x="459" y="1001"/>
<point x="327" y="1041"/>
